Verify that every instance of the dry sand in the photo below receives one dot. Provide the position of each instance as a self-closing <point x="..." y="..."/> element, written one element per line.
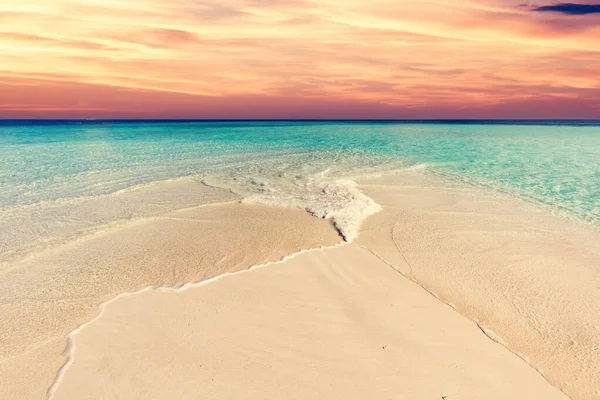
<point x="329" y="324"/>
<point x="48" y="293"/>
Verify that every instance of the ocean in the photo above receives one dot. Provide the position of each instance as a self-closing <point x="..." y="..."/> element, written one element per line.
<point x="49" y="168"/>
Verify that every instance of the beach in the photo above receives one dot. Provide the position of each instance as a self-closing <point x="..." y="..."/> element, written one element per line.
<point x="527" y="278"/>
<point x="442" y="294"/>
<point x="331" y="324"/>
<point x="47" y="294"/>
<point x="181" y="268"/>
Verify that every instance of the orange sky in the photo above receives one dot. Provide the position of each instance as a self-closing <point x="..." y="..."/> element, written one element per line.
<point x="297" y="59"/>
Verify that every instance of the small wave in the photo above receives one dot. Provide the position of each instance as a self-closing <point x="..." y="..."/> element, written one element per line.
<point x="322" y="184"/>
<point x="339" y="201"/>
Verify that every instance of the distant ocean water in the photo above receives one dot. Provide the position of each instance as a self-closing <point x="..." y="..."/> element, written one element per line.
<point x="308" y="164"/>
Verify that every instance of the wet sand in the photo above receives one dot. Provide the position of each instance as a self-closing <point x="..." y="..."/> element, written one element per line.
<point x="48" y="293"/>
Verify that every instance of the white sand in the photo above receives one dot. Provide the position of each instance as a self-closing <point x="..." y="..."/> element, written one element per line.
<point x="531" y="279"/>
<point x="47" y="294"/>
<point x="329" y="324"/>
<point x="335" y="323"/>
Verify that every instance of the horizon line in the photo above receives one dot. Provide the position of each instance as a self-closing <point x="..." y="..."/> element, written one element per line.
<point x="290" y="119"/>
<point x="87" y="121"/>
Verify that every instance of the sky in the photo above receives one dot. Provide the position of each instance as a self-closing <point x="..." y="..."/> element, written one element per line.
<point x="239" y="59"/>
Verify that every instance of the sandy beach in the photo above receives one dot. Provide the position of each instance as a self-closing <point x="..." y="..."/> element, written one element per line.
<point x="46" y="294"/>
<point x="448" y="293"/>
<point x="529" y="279"/>
<point x="329" y="324"/>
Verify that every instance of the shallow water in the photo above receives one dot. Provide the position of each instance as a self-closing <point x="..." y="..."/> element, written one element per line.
<point x="46" y="170"/>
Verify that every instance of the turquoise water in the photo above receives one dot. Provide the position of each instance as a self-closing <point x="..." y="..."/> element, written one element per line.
<point x="290" y="162"/>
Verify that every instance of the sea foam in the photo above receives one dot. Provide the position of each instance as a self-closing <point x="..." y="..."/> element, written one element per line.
<point x="339" y="200"/>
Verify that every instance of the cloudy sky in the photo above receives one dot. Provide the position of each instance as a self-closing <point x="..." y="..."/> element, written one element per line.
<point x="299" y="59"/>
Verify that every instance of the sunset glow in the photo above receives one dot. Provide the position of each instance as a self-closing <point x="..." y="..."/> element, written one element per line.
<point x="298" y="59"/>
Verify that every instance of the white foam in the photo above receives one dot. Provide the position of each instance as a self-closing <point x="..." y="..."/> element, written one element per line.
<point x="337" y="200"/>
<point x="324" y="189"/>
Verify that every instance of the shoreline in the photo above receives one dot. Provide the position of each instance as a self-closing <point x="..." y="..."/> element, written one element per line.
<point x="525" y="276"/>
<point x="45" y="298"/>
<point x="371" y="233"/>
